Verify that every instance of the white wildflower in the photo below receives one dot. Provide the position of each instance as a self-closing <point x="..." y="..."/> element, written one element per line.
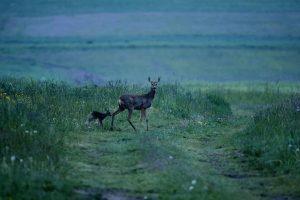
<point x="194" y="181"/>
<point x="290" y="146"/>
<point x="200" y="122"/>
<point x="27" y="131"/>
<point x="297" y="150"/>
<point x="145" y="197"/>
<point x="13" y="158"/>
<point x="191" y="188"/>
<point x="21" y="160"/>
<point x="170" y="157"/>
<point x="22" y="125"/>
<point x="298" y="109"/>
<point x="35" y="131"/>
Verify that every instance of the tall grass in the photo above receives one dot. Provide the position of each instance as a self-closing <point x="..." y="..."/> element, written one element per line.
<point x="272" y="140"/>
<point x="180" y="102"/>
<point x="37" y="115"/>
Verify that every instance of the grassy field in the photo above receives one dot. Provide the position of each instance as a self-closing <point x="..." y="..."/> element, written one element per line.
<point x="202" y="144"/>
<point x="224" y="123"/>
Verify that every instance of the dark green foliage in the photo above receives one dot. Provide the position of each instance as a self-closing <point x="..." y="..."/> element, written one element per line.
<point x="272" y="141"/>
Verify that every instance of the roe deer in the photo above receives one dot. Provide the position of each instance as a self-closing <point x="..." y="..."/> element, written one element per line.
<point x="136" y="102"/>
<point x="98" y="115"/>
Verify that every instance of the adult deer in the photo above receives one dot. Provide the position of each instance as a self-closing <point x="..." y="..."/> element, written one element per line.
<point x="136" y="102"/>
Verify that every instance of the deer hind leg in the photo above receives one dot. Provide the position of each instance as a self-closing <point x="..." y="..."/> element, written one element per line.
<point x="113" y="117"/>
<point x="143" y="116"/>
<point x="129" y="117"/>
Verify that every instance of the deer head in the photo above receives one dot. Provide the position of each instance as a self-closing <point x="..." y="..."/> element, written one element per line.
<point x="153" y="83"/>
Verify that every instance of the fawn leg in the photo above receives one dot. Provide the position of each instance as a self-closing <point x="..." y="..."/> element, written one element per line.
<point x="129" y="117"/>
<point x="101" y="123"/>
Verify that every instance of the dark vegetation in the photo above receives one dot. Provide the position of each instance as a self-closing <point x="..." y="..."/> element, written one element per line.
<point x="37" y="116"/>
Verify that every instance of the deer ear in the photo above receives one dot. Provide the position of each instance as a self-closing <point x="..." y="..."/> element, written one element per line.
<point x="149" y="79"/>
<point x="158" y="79"/>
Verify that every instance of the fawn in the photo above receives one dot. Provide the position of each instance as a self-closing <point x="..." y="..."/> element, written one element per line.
<point x="98" y="115"/>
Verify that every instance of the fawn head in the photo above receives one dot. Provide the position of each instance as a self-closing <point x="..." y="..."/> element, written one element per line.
<point x="108" y="113"/>
<point x="153" y="83"/>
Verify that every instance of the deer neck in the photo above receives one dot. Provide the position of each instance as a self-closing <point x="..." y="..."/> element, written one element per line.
<point x="151" y="94"/>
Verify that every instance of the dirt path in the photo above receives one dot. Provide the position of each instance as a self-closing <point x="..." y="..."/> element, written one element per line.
<point x="163" y="163"/>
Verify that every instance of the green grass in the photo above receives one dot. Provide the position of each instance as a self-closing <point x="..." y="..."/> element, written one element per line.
<point x="196" y="133"/>
<point x="37" y="117"/>
<point x="271" y="141"/>
<point x="236" y="138"/>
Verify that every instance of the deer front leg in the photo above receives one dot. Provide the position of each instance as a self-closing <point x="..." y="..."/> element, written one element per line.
<point x="113" y="117"/>
<point x="129" y="117"/>
<point x="142" y="114"/>
<point x="145" y="116"/>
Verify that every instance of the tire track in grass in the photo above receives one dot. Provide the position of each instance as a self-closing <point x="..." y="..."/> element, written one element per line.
<point x="98" y="161"/>
<point x="162" y="163"/>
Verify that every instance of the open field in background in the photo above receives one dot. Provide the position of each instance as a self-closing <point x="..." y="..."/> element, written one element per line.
<point x="188" y="41"/>
<point x="187" y="65"/>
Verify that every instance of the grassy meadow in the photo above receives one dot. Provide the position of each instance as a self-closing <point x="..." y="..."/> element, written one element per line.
<point x="224" y="123"/>
<point x="211" y="143"/>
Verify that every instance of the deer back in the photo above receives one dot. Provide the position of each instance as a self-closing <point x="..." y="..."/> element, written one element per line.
<point x="136" y="102"/>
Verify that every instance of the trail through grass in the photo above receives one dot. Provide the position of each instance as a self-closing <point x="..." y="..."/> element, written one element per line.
<point x="177" y="159"/>
<point x="194" y="149"/>
<point x="165" y="163"/>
